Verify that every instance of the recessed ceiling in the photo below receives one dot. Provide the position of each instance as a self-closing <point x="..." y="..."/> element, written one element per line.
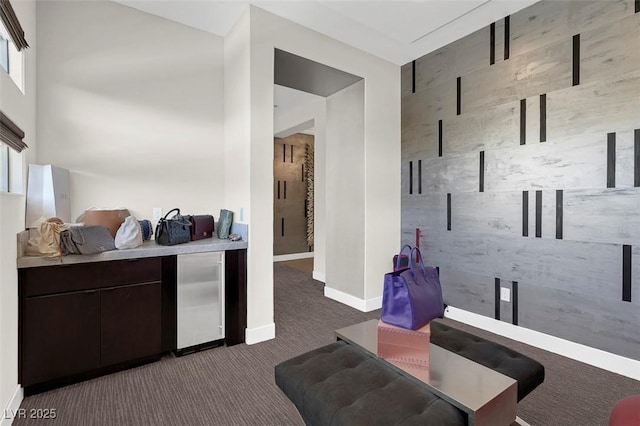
<point x="398" y="31"/>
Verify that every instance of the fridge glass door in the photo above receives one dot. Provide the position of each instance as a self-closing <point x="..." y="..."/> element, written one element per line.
<point x="200" y="298"/>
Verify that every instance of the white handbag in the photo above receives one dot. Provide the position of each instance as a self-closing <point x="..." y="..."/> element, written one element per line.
<point x="129" y="234"/>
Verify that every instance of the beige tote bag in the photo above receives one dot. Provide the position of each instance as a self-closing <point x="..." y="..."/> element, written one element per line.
<point x="49" y="245"/>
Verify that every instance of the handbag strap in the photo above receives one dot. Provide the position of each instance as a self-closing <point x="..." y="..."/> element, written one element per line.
<point x="169" y="212"/>
<point x="412" y="263"/>
<point x="400" y="255"/>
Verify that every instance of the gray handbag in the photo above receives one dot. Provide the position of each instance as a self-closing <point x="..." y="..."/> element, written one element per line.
<point x="176" y="230"/>
<point x="224" y="224"/>
<point x="86" y="240"/>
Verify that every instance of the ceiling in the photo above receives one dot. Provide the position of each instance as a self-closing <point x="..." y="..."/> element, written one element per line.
<point x="398" y="31"/>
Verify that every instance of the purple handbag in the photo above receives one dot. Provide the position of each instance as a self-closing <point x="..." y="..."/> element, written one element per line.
<point x="412" y="296"/>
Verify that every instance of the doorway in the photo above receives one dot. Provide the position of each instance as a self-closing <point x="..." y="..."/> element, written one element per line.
<point x="303" y="90"/>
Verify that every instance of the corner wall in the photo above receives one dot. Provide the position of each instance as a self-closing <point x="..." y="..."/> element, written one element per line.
<point x="520" y="170"/>
<point x="21" y="108"/>
<point x="381" y="153"/>
<point x="345" y="202"/>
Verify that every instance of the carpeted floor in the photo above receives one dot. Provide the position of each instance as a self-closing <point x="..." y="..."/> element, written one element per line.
<point x="235" y="385"/>
<point x="304" y="265"/>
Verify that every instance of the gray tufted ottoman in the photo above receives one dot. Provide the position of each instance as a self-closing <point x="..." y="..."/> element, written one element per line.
<point x="341" y="384"/>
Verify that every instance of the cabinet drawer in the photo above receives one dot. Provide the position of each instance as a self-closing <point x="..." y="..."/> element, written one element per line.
<point x="88" y="276"/>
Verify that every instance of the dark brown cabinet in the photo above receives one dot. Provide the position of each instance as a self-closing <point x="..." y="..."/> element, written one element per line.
<point x="61" y="336"/>
<point x="131" y="322"/>
<point x="81" y="320"/>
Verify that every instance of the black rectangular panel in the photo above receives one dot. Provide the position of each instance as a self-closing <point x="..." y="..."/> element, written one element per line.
<point x="496" y="301"/>
<point x="278" y="190"/>
<point x="439" y="138"/>
<point x="626" y="273"/>
<point x="419" y="176"/>
<point x="448" y="212"/>
<point x="507" y="37"/>
<point x="410" y="177"/>
<point x="284" y="153"/>
<point x="559" y="220"/>
<point x="492" y="44"/>
<point x="637" y="6"/>
<point x="282" y="226"/>
<point x="285" y="189"/>
<point x="413" y="77"/>
<point x="523" y="121"/>
<point x="538" y="214"/>
<point x="543" y="117"/>
<point x="636" y="157"/>
<point x="525" y="213"/>
<point x="481" y="171"/>
<point x="458" y="95"/>
<point x="514" y="302"/>
<point x="305" y="208"/>
<point x="611" y="160"/>
<point x="292" y="153"/>
<point x="302" y="173"/>
<point x="576" y="59"/>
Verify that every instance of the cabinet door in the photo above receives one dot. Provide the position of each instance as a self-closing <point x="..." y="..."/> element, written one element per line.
<point x="131" y="322"/>
<point x="61" y="336"/>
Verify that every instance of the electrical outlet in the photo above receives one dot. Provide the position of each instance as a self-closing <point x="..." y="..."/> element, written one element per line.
<point x="505" y="294"/>
<point x="157" y="214"/>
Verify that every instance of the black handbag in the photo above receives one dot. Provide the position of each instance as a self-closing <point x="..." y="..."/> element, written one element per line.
<point x="176" y="230"/>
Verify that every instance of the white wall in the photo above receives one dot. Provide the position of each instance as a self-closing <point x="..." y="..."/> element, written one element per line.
<point x="316" y="111"/>
<point x="237" y="114"/>
<point x="20" y="107"/>
<point x="345" y="182"/>
<point x="133" y="105"/>
<point x="381" y="152"/>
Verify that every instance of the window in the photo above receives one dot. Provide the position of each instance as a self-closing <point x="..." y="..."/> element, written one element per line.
<point x="11" y="60"/>
<point x="4" y="52"/>
<point x="10" y="137"/>
<point x="4" y="168"/>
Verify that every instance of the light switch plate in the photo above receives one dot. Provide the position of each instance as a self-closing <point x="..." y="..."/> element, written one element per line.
<point x="505" y="294"/>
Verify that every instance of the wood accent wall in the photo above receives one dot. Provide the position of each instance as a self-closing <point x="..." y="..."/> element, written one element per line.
<point x="521" y="165"/>
<point x="290" y="194"/>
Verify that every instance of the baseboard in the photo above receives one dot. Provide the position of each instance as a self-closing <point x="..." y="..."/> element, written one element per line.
<point x="11" y="410"/>
<point x="319" y="276"/>
<point x="260" y="334"/>
<point x="293" y="256"/>
<point x="579" y="352"/>
<point x="362" y="305"/>
<point x="373" y="304"/>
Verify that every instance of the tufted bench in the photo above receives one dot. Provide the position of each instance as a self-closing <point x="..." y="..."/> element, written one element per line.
<point x="529" y="373"/>
<point x="340" y="384"/>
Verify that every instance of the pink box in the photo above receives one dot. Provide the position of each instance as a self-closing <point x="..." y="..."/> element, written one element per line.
<point x="401" y="344"/>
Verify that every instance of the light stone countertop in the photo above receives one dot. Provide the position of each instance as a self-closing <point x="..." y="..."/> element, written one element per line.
<point x="148" y="249"/>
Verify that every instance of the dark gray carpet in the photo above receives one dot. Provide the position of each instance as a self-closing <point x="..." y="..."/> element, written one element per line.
<point x="235" y="385"/>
